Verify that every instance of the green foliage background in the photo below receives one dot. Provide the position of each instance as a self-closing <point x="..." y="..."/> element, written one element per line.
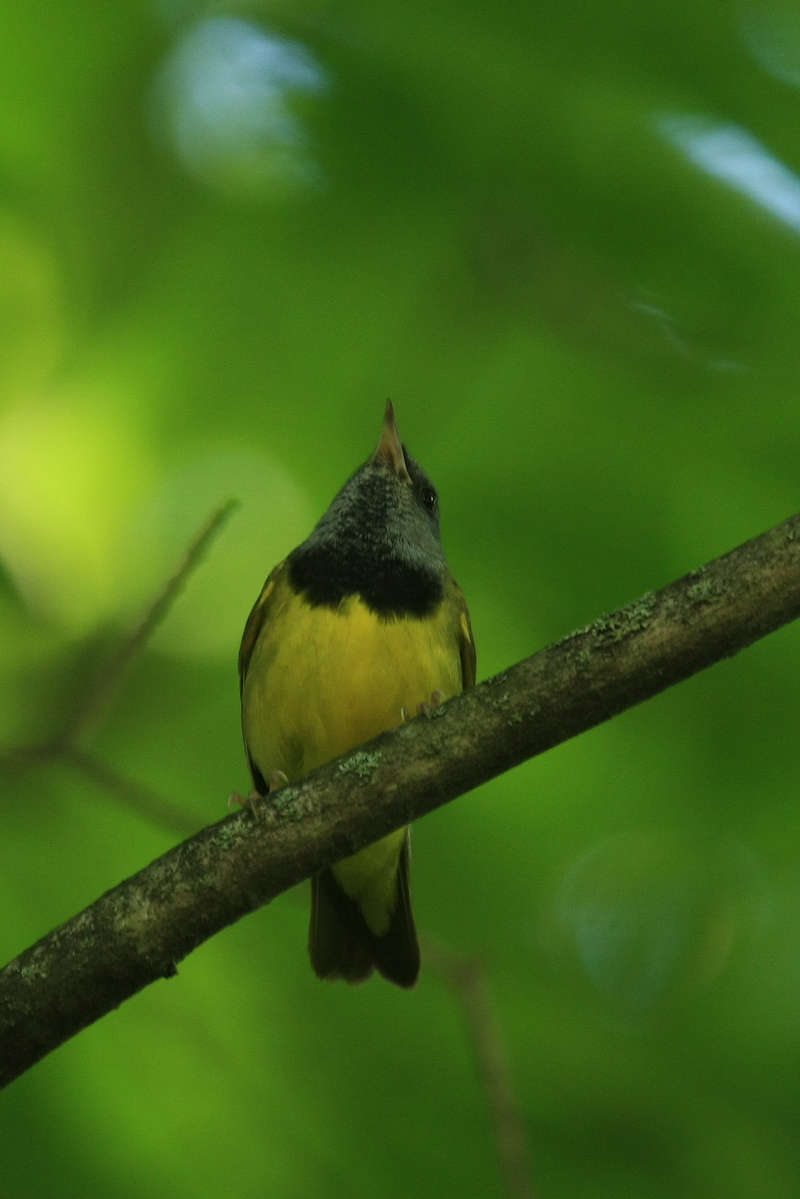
<point x="592" y="344"/>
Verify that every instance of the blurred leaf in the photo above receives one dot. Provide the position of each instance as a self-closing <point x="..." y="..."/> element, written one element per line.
<point x="589" y="329"/>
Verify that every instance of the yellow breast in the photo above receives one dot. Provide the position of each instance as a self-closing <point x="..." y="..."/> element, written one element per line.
<point x="321" y="681"/>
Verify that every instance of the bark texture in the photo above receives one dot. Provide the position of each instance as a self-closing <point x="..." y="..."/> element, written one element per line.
<point x="142" y="929"/>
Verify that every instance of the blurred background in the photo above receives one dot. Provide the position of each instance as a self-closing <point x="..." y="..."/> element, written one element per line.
<point x="565" y="239"/>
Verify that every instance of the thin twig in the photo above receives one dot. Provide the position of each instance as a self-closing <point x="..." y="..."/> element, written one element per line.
<point x="146" y="803"/>
<point x="89" y="712"/>
<point x="468" y="979"/>
<point x="142" y="800"/>
<point x="137" y="932"/>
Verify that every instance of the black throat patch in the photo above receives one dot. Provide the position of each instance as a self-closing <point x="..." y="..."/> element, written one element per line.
<point x="390" y="588"/>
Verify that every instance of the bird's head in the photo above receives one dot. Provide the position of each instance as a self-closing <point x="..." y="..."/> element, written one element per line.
<point x="388" y="509"/>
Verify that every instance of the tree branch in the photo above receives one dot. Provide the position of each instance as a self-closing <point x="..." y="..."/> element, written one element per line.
<point x="467" y="978"/>
<point x="90" y="709"/>
<point x="88" y="714"/>
<point x="137" y="933"/>
<point x="145" y="803"/>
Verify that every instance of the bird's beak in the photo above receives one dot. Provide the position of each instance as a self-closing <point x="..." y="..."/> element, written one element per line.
<point x="390" y="449"/>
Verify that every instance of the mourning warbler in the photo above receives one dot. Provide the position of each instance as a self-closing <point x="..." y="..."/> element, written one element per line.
<point x="361" y="625"/>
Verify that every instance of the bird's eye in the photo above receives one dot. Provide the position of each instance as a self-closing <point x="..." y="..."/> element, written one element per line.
<point x="427" y="498"/>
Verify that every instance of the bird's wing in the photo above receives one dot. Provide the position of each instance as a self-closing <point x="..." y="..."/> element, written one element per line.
<point x="466" y="642"/>
<point x="255" y="621"/>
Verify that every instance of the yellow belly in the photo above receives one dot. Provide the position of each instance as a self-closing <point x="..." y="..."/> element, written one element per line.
<point x="321" y="681"/>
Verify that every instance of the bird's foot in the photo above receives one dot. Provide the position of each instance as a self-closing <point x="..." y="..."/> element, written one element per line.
<point x="427" y="710"/>
<point x="250" y="802"/>
<point x="423" y="709"/>
<point x="276" y="780"/>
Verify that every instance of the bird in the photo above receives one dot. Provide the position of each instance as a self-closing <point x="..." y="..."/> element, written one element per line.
<point x="358" y="629"/>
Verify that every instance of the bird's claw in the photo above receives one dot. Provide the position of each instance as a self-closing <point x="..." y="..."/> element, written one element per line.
<point x="250" y="802"/>
<point x="427" y="709"/>
<point x="276" y="780"/>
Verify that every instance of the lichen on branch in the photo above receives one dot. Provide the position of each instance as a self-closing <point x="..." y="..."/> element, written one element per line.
<point x="139" y="931"/>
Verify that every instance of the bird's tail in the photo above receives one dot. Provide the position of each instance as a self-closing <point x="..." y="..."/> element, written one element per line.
<point x="341" y="945"/>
